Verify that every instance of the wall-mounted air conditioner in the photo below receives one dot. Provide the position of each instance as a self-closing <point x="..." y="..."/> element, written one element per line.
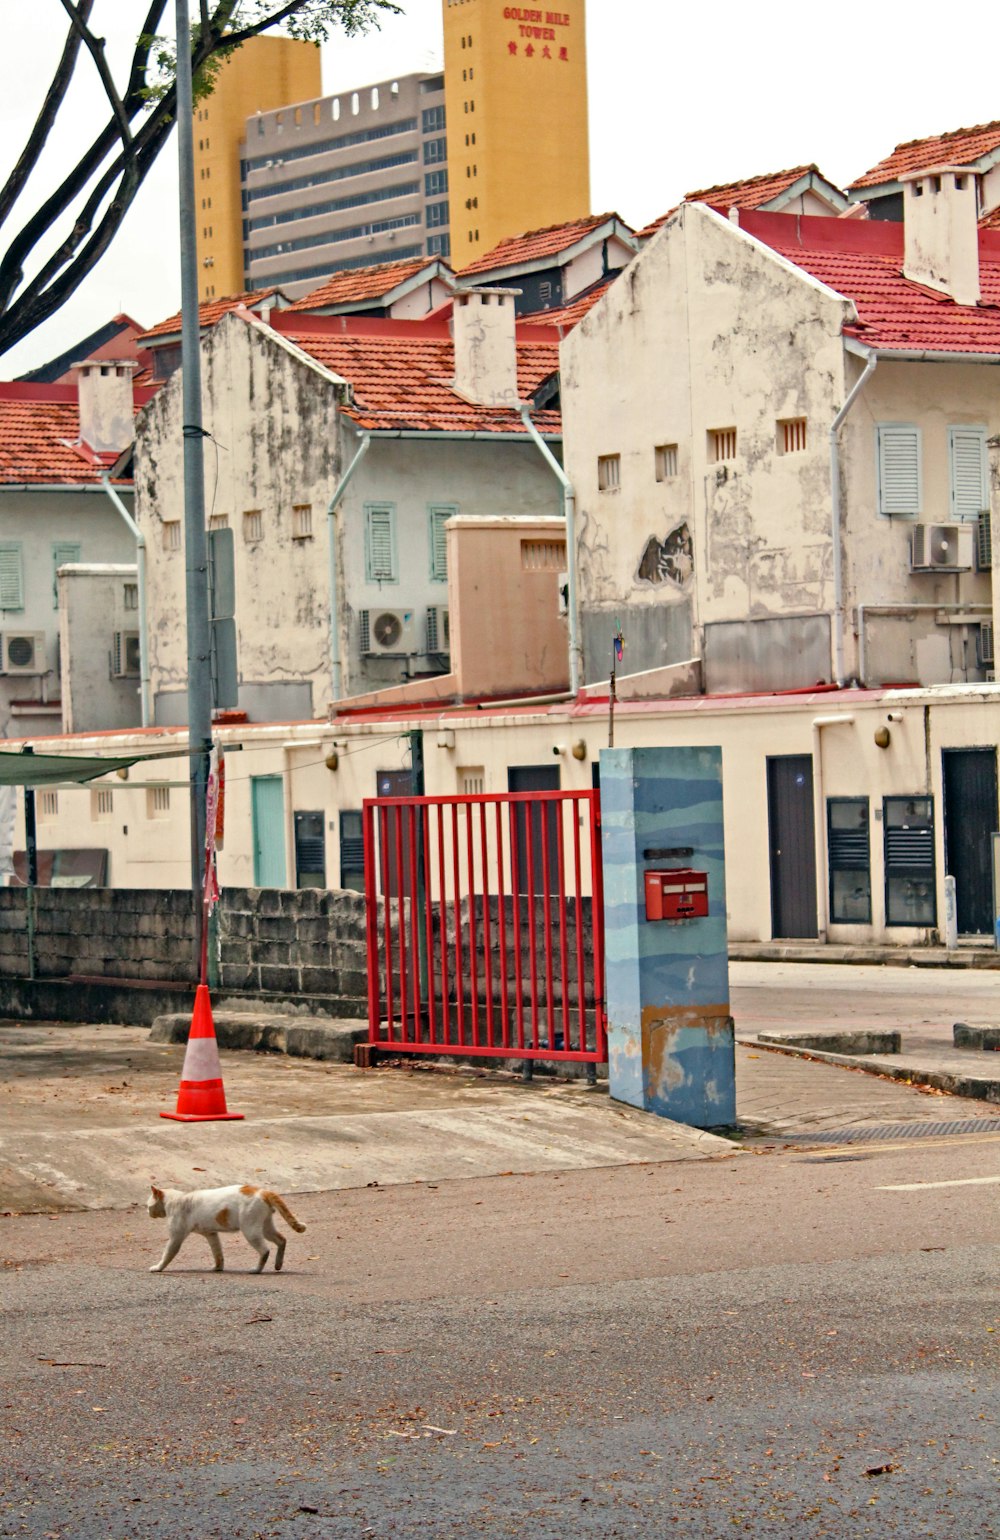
<point x="22" y="652"/>
<point x="388" y="631"/>
<point x="942" y="547"/>
<point x="125" y="655"/>
<point x="984" y="543"/>
<point x="986" y="659"/>
<point x="438" y="628"/>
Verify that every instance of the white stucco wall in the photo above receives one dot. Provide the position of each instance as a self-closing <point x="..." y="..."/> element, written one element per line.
<point x="150" y="849"/>
<point x="38" y="521"/>
<point x="93" y="604"/>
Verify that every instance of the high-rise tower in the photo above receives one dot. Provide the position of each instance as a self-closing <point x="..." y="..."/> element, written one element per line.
<point x="265" y="73"/>
<point x="516" y="99"/>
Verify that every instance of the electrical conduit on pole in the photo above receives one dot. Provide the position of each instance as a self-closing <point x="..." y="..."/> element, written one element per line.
<point x="336" y="667"/>
<point x="195" y="543"/>
<point x="569" y="513"/>
<point x="140" y="552"/>
<point x="838" y="575"/>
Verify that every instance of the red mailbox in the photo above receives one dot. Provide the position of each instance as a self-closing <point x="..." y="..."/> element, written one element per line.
<point x="677" y="895"/>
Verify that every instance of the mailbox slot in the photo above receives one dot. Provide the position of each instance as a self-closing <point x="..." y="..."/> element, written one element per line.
<point x="677" y="895"/>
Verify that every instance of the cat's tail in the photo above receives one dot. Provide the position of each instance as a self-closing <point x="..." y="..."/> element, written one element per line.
<point x="273" y="1201"/>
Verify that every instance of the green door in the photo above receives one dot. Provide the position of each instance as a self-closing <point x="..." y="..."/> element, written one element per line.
<point x="268" y="802"/>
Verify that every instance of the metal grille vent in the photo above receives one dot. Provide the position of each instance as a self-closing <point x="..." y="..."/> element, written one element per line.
<point x="909" y="850"/>
<point x="848" y="850"/>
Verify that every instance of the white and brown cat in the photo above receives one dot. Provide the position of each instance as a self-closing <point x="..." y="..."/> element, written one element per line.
<point x="215" y="1211"/>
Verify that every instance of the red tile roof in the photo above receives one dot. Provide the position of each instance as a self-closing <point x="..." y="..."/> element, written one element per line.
<point x="535" y="244"/>
<point x="572" y="314"/>
<point x="213" y="310"/>
<point x="39" y="438"/>
<point x="751" y="193"/>
<point x="991" y="221"/>
<point x="363" y="283"/>
<point x="402" y="372"/>
<point x="863" y="260"/>
<point x="960" y="147"/>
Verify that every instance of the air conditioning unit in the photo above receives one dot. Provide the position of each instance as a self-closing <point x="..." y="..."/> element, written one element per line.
<point x="22" y="652"/>
<point x="986" y="659"/>
<point x="438" y="628"/>
<point x="388" y="631"/>
<point x="941" y="547"/>
<point x="125" y="655"/>
<point x="984" y="543"/>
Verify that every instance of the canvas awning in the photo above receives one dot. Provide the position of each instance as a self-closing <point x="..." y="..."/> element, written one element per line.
<point x="51" y="769"/>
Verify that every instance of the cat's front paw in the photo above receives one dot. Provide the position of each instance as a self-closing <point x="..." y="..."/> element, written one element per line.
<point x="156" y="1268"/>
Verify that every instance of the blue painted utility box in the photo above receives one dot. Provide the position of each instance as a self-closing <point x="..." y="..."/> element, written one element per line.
<point x="671" y="1044"/>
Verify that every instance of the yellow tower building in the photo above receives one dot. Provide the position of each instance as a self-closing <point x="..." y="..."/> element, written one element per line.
<point x="267" y="72"/>
<point x="516" y="101"/>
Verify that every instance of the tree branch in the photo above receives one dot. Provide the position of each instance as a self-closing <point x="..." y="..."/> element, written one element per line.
<point x="55" y="95"/>
<point x="95" y="47"/>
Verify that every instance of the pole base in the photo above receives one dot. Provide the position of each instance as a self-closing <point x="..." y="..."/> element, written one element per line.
<point x="203" y="1117"/>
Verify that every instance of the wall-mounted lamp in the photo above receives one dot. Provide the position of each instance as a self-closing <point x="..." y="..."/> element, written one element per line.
<point x="332" y="760"/>
<point x="122" y="772"/>
<point x="883" y="737"/>
<point x="579" y="750"/>
<point x="446" y="738"/>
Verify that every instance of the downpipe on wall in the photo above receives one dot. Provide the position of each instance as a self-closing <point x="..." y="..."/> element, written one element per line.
<point x="140" y="561"/>
<point x="569" y="513"/>
<point x="838" y="573"/>
<point x="336" y="666"/>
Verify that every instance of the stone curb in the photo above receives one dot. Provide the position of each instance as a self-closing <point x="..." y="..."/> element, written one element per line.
<point x="300" y="1037"/>
<point x="837" y="1042"/>
<point x="898" y="957"/>
<point x="976" y="1087"/>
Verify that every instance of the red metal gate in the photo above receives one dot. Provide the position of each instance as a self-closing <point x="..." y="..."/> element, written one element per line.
<point x="486" y="925"/>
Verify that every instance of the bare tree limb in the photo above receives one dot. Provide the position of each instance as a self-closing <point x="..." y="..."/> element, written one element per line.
<point x="55" y="95"/>
<point x="95" y="47"/>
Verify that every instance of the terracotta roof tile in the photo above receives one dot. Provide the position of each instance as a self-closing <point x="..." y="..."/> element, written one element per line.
<point x="863" y="260"/>
<point x="959" y="147"/>
<point x="361" y="283"/>
<point x="991" y="221"/>
<point x="213" y="310"/>
<point x="529" y="247"/>
<point x="402" y="378"/>
<point x="750" y="193"/>
<point x="38" y="439"/>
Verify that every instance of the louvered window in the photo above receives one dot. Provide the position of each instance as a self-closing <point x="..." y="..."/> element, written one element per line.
<point x="909" y="861"/>
<point x="900" y="484"/>
<point x="352" y="852"/>
<point x="11" y="576"/>
<point x="849" y="861"/>
<point x="439" y="547"/>
<point x="63" y="552"/>
<point x="970" y="494"/>
<point x="380" y="543"/>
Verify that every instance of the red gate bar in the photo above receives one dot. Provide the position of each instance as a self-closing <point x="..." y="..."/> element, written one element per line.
<point x="427" y="996"/>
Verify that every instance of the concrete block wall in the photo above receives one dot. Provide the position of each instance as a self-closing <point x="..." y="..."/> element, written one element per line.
<point x="275" y="941"/>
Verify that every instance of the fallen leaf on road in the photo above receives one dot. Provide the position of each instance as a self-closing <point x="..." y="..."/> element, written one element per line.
<point x="880" y="1470"/>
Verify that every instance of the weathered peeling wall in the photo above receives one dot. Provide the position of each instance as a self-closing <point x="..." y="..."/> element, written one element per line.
<point x="272" y="447"/>
<point x="704" y="331"/>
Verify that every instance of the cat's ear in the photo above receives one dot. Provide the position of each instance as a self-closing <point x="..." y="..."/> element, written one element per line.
<point x="156" y="1191"/>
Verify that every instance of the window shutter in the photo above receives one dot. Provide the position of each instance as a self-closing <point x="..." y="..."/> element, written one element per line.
<point x="969" y="484"/>
<point x="439" y="544"/>
<point x="900" y="489"/>
<point x="11" y="578"/>
<point x="63" y="552"/>
<point x="381" y="545"/>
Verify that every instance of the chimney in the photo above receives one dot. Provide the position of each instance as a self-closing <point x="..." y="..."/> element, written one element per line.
<point x="482" y="323"/>
<point x="107" y="408"/>
<point x="941" y="231"/>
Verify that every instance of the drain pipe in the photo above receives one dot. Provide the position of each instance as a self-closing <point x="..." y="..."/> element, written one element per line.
<point x="838" y="575"/>
<point x="336" y="668"/>
<point x="140" y="552"/>
<point x="569" y="513"/>
<point x="842" y="719"/>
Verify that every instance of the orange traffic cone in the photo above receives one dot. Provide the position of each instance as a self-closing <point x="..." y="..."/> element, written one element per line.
<point x="201" y="1098"/>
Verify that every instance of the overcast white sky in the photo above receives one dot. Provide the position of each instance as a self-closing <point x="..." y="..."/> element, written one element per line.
<point x="681" y="96"/>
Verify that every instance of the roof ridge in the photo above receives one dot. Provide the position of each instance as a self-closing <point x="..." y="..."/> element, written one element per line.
<point x="750" y="181"/>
